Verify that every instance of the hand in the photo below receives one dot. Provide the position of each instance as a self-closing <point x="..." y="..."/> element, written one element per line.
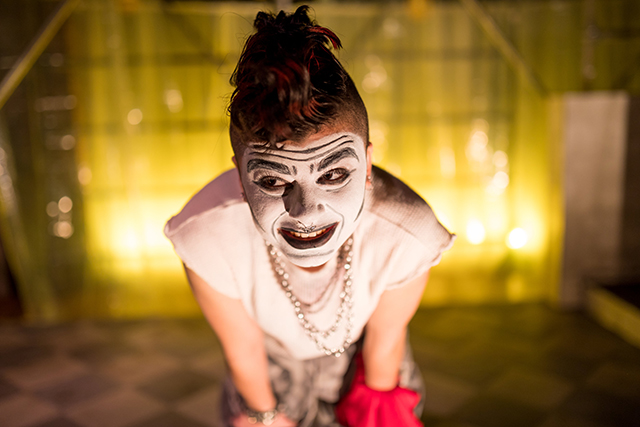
<point x="365" y="407"/>
<point x="281" y="421"/>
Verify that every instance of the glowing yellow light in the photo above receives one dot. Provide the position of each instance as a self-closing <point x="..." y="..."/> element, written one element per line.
<point x="493" y="190"/>
<point x="501" y="180"/>
<point x="475" y="232"/>
<point x="153" y="237"/>
<point x="447" y="162"/>
<point x="517" y="238"/>
<point x="130" y="242"/>
<point x="477" y="146"/>
<point x="480" y="124"/>
<point x="173" y="99"/>
<point x="500" y="159"/>
<point x="377" y="132"/>
<point x="84" y="176"/>
<point x="498" y="183"/>
<point x="372" y="61"/>
<point x="63" y="229"/>
<point x="135" y="116"/>
<point x="52" y="209"/>
<point x="444" y="220"/>
<point x="391" y="28"/>
<point x="65" y="204"/>
<point x="376" y="77"/>
<point x="480" y="138"/>
<point x="67" y="142"/>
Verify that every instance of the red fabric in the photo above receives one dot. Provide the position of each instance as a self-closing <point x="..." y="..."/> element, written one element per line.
<point x="365" y="407"/>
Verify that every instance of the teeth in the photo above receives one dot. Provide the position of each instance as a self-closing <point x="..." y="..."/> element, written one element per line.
<point x="309" y="235"/>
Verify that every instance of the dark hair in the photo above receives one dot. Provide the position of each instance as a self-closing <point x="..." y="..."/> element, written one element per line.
<point x="288" y="83"/>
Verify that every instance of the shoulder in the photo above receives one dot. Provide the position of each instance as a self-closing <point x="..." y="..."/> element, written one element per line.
<point x="405" y="235"/>
<point x="212" y="230"/>
<point x="394" y="202"/>
<point x="222" y="192"/>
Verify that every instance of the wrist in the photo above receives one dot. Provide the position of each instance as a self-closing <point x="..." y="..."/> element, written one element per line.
<point x="382" y="383"/>
<point x="261" y="403"/>
<point x="262" y="417"/>
<point x="266" y="418"/>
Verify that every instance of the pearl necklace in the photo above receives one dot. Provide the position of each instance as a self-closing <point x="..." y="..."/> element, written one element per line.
<point x="344" y="310"/>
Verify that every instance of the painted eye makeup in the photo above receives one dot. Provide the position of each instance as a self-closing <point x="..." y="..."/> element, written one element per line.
<point x="334" y="176"/>
<point x="271" y="183"/>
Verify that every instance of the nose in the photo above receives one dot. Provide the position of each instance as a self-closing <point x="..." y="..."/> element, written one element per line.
<point x="300" y="203"/>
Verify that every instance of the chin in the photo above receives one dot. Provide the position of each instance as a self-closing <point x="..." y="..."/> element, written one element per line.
<point x="310" y="261"/>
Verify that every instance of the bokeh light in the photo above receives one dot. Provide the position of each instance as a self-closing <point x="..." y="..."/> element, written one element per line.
<point x="135" y="116"/>
<point x="517" y="238"/>
<point x="476" y="233"/>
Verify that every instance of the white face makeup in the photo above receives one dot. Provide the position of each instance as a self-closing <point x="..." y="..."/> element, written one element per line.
<point x="306" y="200"/>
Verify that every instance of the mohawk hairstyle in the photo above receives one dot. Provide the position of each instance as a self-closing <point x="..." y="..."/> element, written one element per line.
<point x="288" y="83"/>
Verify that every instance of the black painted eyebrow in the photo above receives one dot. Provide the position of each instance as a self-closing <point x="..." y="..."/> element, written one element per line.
<point x="336" y="157"/>
<point x="312" y="150"/>
<point x="265" y="164"/>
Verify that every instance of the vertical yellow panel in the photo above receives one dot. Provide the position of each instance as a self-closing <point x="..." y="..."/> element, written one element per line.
<point x="447" y="115"/>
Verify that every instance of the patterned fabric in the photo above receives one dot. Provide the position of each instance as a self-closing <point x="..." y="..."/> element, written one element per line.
<point x="310" y="388"/>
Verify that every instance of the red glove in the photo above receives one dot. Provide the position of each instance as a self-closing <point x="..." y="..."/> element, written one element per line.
<point x="365" y="407"/>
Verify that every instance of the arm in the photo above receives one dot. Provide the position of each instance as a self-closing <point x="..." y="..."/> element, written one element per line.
<point x="375" y="399"/>
<point x="386" y="331"/>
<point x="243" y="344"/>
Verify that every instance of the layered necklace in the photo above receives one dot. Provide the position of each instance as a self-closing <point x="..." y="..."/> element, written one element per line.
<point x="344" y="311"/>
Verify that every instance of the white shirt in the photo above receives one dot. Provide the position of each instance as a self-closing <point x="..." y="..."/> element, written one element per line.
<point x="398" y="238"/>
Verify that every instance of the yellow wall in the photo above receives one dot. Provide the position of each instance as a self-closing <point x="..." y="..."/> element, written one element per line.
<point x="448" y="115"/>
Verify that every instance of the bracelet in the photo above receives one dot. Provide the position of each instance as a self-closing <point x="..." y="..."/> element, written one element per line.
<point x="266" y="417"/>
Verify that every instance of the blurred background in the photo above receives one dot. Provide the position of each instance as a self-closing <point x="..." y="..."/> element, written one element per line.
<point x="518" y="121"/>
<point x="116" y="115"/>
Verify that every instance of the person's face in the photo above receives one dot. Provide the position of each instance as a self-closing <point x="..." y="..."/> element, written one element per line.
<point x="306" y="199"/>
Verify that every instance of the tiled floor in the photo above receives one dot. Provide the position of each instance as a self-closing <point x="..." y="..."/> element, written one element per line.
<point x="515" y="366"/>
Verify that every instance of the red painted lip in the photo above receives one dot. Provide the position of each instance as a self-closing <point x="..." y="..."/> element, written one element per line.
<point x="309" y="242"/>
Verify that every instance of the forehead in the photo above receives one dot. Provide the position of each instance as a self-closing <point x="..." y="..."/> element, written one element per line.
<point x="309" y="151"/>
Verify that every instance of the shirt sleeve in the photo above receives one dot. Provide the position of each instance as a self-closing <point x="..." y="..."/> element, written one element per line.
<point x="415" y="255"/>
<point x="200" y="232"/>
<point x="414" y="238"/>
<point x="197" y="245"/>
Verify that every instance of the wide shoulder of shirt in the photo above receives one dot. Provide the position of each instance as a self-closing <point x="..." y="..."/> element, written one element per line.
<point x="224" y="191"/>
<point x="399" y="227"/>
<point x="407" y="233"/>
<point x="212" y="232"/>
